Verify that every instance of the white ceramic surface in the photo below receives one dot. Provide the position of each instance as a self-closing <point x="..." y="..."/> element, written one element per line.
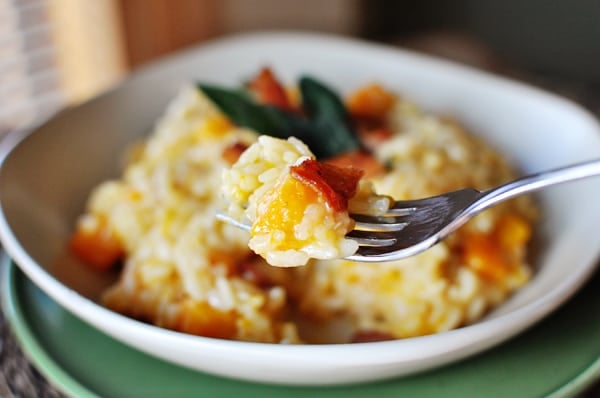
<point x="48" y="172"/>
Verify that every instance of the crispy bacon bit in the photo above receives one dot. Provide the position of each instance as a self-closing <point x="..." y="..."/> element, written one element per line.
<point x="367" y="123"/>
<point x="367" y="336"/>
<point x="333" y="183"/>
<point x="361" y="160"/>
<point x="269" y="91"/>
<point x="98" y="248"/>
<point x="232" y="153"/>
<point x="343" y="180"/>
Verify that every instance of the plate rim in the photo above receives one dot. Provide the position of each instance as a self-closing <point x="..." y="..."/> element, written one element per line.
<point x="60" y="378"/>
<point x="32" y="348"/>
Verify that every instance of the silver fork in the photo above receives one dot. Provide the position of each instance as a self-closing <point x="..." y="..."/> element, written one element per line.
<point x="413" y="226"/>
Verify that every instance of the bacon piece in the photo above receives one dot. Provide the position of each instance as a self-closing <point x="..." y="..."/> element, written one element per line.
<point x="269" y="91"/>
<point x="232" y="153"/>
<point x="333" y="183"/>
<point x="361" y="160"/>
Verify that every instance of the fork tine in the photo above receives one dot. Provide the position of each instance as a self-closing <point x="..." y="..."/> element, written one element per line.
<point x="229" y="220"/>
<point x="377" y="224"/>
<point x="379" y="227"/>
<point x="401" y="208"/>
<point x="363" y="237"/>
<point x="367" y="239"/>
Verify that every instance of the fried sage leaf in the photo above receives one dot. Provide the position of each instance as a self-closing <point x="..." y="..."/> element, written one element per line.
<point x="325" y="128"/>
<point x="329" y="118"/>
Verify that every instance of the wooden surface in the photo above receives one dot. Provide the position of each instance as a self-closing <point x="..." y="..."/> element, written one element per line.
<point x="153" y="28"/>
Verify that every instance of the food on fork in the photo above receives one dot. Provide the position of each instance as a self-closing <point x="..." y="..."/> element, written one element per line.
<point x="298" y="206"/>
<point x="185" y="270"/>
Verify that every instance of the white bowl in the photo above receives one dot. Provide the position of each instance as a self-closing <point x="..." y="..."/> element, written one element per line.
<point x="47" y="174"/>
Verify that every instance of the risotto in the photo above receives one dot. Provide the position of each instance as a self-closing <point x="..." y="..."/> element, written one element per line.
<point x="298" y="207"/>
<point x="183" y="269"/>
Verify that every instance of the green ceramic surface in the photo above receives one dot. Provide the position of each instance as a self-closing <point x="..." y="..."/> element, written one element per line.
<point x="559" y="357"/>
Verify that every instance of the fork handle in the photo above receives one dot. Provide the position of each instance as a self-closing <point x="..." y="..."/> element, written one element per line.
<point x="535" y="182"/>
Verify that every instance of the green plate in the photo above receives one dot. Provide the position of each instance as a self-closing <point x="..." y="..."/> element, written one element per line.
<point x="559" y="357"/>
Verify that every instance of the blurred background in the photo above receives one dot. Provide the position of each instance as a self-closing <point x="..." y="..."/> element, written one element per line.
<point x="58" y="52"/>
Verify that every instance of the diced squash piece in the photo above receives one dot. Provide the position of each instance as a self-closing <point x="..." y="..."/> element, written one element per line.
<point x="512" y="231"/>
<point x="283" y="208"/>
<point x="482" y="253"/>
<point x="371" y="101"/>
<point x="201" y="319"/>
<point x="98" y="247"/>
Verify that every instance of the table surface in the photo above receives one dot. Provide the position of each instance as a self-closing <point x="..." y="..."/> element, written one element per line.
<point x="19" y="378"/>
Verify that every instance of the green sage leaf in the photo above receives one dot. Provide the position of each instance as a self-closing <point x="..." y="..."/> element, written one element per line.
<point x="325" y="129"/>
